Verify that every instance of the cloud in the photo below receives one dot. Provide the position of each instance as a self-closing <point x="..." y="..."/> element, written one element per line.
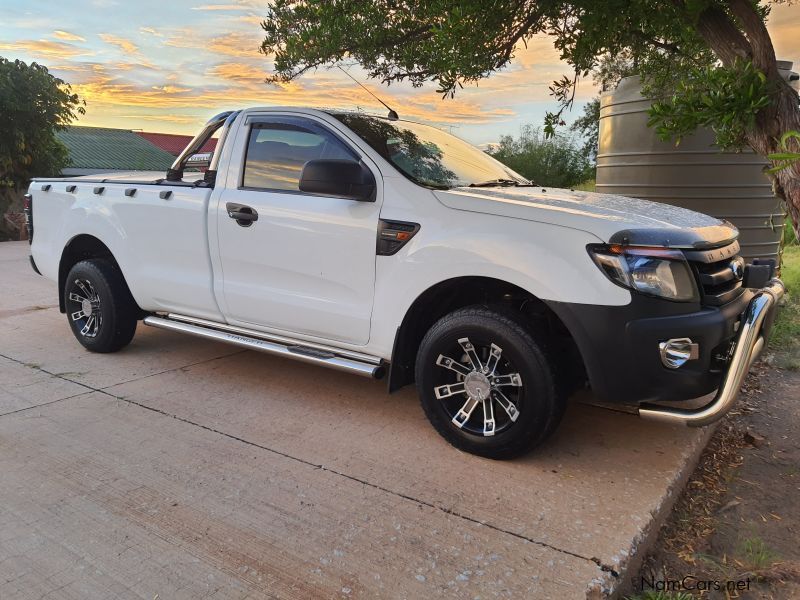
<point x="182" y="119"/>
<point x="66" y="35"/>
<point x="236" y="43"/>
<point x="252" y="19"/>
<point x="45" y="48"/>
<point x="783" y="25"/>
<point x="171" y="89"/>
<point x="536" y="51"/>
<point x="70" y="68"/>
<point x="238" y="85"/>
<point x="207" y="60"/>
<point x="225" y="7"/>
<point x="132" y="66"/>
<point x="237" y="72"/>
<point x="527" y="77"/>
<point x="123" y="44"/>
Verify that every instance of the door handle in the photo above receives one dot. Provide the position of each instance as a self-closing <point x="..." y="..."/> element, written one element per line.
<point x="243" y="215"/>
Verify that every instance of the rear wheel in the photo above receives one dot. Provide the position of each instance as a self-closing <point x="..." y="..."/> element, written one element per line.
<point x="486" y="384"/>
<point x="100" y="309"/>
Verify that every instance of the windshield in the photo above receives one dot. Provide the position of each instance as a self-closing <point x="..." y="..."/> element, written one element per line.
<point x="429" y="156"/>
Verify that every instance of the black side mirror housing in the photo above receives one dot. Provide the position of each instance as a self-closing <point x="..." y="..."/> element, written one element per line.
<point x="336" y="177"/>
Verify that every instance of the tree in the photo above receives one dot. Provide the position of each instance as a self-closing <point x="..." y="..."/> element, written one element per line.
<point x="588" y="125"/>
<point x="33" y="106"/>
<point x="551" y="162"/>
<point x="713" y="59"/>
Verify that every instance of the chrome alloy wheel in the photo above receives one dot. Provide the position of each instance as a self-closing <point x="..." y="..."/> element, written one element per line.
<point x="481" y="373"/>
<point x="88" y="317"/>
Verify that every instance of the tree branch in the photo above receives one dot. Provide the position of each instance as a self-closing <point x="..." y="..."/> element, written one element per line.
<point x="722" y="36"/>
<point x="763" y="54"/>
<point x="673" y="48"/>
<point x="523" y="29"/>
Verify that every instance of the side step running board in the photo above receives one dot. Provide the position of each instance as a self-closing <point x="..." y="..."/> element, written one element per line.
<point x="253" y="340"/>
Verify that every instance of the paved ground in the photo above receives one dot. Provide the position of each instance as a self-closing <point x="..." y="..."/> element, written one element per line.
<point x="181" y="468"/>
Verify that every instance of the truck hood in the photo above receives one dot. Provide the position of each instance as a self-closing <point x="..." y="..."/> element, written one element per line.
<point x="614" y="219"/>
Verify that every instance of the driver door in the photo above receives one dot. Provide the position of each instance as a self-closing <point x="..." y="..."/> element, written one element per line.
<point x="307" y="264"/>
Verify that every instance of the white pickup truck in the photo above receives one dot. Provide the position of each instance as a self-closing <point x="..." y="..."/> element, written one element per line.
<point x="386" y="247"/>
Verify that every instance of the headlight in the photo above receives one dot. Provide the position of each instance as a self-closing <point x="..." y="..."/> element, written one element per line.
<point x="652" y="271"/>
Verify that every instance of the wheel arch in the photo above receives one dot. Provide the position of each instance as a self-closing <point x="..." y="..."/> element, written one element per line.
<point x="459" y="292"/>
<point x="81" y="247"/>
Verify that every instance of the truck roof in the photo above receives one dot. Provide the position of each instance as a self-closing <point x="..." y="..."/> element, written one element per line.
<point x="325" y="111"/>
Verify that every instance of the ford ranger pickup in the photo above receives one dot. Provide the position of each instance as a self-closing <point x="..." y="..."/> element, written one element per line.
<point x="389" y="248"/>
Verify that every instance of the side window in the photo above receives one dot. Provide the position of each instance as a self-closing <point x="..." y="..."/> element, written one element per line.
<point x="278" y="150"/>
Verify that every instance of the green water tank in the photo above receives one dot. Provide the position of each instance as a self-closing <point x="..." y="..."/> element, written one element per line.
<point x="695" y="174"/>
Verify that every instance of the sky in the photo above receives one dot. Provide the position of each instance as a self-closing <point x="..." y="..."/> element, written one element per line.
<point x="168" y="66"/>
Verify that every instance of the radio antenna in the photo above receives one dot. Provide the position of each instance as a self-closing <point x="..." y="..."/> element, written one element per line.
<point x="392" y="114"/>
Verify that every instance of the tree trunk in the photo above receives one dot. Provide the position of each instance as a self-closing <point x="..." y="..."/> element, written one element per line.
<point x="752" y="42"/>
<point x="765" y="139"/>
<point x="787" y="186"/>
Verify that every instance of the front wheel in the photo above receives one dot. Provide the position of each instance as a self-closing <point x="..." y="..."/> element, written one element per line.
<point x="486" y="384"/>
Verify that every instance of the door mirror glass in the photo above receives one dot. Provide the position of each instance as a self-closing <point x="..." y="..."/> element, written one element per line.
<point x="338" y="177"/>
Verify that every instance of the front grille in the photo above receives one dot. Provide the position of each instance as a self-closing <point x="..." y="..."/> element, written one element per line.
<point x="718" y="272"/>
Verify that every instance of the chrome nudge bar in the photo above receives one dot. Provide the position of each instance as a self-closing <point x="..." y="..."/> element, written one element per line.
<point x="749" y="344"/>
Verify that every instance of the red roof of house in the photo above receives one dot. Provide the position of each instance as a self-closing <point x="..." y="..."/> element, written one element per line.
<point x="174" y="143"/>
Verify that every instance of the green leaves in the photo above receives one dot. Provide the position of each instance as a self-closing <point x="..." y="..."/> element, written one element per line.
<point x="449" y="43"/>
<point x="685" y="51"/>
<point x="553" y="162"/>
<point x="589" y="126"/>
<point x="727" y="100"/>
<point x="454" y="43"/>
<point x="33" y="105"/>
<point x="787" y="158"/>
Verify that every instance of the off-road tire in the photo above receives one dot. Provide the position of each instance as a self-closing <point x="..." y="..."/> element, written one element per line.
<point x="110" y="303"/>
<point x="540" y="401"/>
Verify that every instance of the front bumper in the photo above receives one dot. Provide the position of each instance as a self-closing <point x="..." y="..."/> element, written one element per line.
<point x="619" y="347"/>
<point x="750" y="341"/>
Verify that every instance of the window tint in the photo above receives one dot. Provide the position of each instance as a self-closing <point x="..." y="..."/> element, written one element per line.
<point x="278" y="150"/>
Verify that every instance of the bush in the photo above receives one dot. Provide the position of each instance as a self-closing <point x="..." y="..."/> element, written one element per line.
<point x="553" y="162"/>
<point x="789" y="238"/>
<point x="785" y="336"/>
<point x="33" y="106"/>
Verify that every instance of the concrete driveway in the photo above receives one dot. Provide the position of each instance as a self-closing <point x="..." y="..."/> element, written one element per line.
<point x="180" y="468"/>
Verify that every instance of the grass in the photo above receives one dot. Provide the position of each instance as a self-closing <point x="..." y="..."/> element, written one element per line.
<point x="661" y="596"/>
<point x="789" y="238"/>
<point x="755" y="554"/>
<point x="586" y="186"/>
<point x="786" y="331"/>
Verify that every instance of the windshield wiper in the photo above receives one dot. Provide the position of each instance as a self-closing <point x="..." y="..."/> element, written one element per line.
<point x="500" y="183"/>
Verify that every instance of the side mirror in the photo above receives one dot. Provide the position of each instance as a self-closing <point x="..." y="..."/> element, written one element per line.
<point x="342" y="178"/>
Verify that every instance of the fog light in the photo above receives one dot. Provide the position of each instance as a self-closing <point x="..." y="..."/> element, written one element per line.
<point x="677" y="351"/>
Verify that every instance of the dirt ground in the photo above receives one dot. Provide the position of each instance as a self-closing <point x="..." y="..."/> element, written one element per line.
<point x="734" y="531"/>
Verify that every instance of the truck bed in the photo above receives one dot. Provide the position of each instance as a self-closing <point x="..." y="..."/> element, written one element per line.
<point x="132" y="213"/>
